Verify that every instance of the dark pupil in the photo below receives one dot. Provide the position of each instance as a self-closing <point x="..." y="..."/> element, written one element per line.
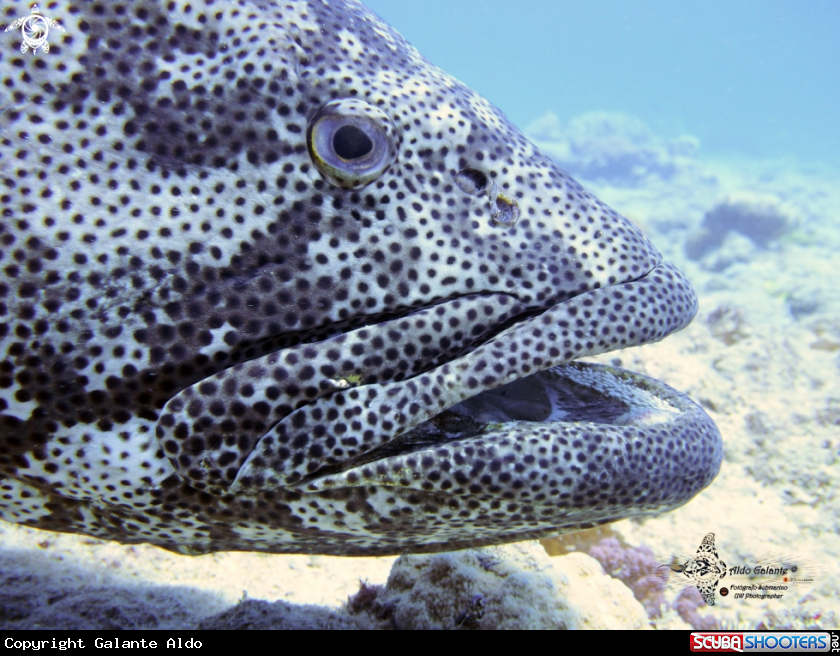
<point x="349" y="142"/>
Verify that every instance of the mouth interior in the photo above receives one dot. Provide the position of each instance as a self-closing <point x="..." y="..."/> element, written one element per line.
<point x="573" y="393"/>
<point x="542" y="397"/>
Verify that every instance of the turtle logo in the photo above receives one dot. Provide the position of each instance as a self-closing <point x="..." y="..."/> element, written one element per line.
<point x="706" y="569"/>
<point x="34" y="29"/>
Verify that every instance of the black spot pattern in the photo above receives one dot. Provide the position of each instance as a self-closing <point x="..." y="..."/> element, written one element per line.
<point x="591" y="471"/>
<point x="197" y="325"/>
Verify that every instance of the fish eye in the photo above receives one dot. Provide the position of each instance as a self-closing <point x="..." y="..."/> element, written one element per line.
<point x="351" y="142"/>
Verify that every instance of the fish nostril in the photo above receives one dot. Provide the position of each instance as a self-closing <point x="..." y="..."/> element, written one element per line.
<point x="504" y="211"/>
<point x="471" y="181"/>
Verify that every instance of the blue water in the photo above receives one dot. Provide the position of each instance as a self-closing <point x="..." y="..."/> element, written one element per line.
<point x="755" y="78"/>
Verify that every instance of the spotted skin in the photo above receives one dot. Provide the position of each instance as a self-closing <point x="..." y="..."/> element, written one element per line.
<point x="206" y="341"/>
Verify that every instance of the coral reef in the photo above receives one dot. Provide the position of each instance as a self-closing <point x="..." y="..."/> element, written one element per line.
<point x="688" y="603"/>
<point x="611" y="146"/>
<point x="646" y="577"/>
<point x="806" y="616"/>
<point x="762" y="218"/>
<point x="728" y="323"/>
<point x="256" y="615"/>
<point x="827" y="336"/>
<point x="509" y="587"/>
<point x="637" y="568"/>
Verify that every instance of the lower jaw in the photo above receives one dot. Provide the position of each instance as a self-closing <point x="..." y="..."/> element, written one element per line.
<point x="597" y="438"/>
<point x="302" y="448"/>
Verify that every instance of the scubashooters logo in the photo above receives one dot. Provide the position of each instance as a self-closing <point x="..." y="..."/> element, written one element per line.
<point x="788" y="641"/>
<point x="34" y="29"/>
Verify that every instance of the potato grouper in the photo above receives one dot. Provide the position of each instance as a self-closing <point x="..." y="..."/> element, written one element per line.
<point x="271" y="281"/>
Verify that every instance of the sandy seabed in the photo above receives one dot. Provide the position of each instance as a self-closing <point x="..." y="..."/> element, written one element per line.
<point x="762" y="357"/>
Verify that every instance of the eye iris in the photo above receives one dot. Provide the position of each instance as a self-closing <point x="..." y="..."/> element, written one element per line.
<point x="349" y="142"/>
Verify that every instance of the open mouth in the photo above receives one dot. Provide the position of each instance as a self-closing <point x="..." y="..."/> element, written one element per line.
<point x="322" y="413"/>
<point x="566" y="448"/>
<point x="573" y="394"/>
<point x="591" y="434"/>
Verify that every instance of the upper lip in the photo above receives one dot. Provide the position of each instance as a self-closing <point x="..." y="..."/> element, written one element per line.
<point x="412" y="441"/>
<point x="527" y="312"/>
<point x="337" y="394"/>
<point x="647" y="309"/>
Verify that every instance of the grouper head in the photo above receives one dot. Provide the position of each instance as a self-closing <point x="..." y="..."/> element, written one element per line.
<point x="271" y="280"/>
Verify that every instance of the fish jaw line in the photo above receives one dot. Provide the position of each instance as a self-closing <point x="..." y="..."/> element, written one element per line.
<point x="601" y="320"/>
<point x="626" y="445"/>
